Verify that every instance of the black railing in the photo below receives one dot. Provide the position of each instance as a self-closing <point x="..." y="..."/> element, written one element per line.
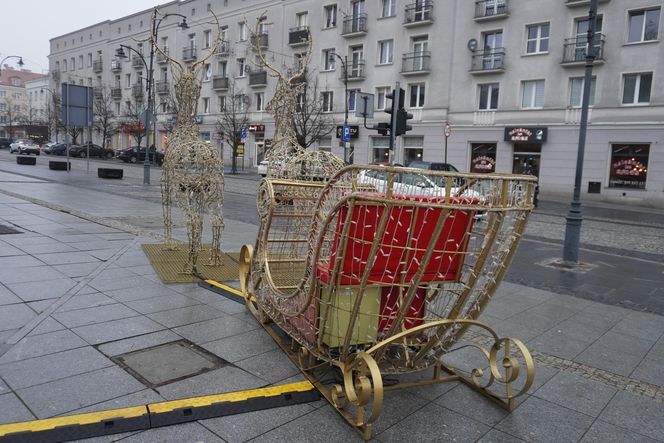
<point x="97" y="65"/>
<point x="258" y="78"/>
<point x="488" y="60"/>
<point x="137" y="62"/>
<point x="355" y="70"/>
<point x="298" y="36"/>
<point x="162" y="87"/>
<point x="261" y="38"/>
<point x="416" y="61"/>
<point x="116" y="65"/>
<point x="97" y="92"/>
<point x="224" y="49"/>
<point x="189" y="53"/>
<point x="219" y="82"/>
<point x="137" y="90"/>
<point x="575" y="49"/>
<point x="490" y="8"/>
<point x="420" y="11"/>
<point x="354" y="24"/>
<point x="116" y="93"/>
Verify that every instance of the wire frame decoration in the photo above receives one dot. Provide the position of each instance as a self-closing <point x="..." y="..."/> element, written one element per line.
<point x="193" y="170"/>
<point x="383" y="270"/>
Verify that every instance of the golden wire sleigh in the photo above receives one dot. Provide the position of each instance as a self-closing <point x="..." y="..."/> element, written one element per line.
<point x="381" y="270"/>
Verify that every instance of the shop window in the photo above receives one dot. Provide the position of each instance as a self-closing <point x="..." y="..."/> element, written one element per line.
<point x="413" y="149"/>
<point x="629" y="166"/>
<point x="483" y="157"/>
<point x="381" y="149"/>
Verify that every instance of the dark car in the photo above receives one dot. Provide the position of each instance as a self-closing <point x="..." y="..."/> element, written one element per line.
<point x="432" y="166"/>
<point x="95" y="151"/>
<point x="4" y="143"/>
<point x="135" y="154"/>
<point x="58" y="149"/>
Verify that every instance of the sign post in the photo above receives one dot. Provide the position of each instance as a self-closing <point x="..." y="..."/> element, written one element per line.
<point x="447" y="132"/>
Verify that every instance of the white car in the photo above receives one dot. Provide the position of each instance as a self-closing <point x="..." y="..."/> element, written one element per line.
<point x="15" y="147"/>
<point x="262" y="168"/>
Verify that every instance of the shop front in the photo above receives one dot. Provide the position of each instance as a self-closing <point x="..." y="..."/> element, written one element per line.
<point x="527" y="148"/>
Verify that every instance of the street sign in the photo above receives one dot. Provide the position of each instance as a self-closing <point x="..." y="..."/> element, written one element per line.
<point x="354" y="131"/>
<point x="346" y="134"/>
<point x="150" y="117"/>
<point x="243" y="133"/>
<point x="448" y="130"/>
<point x="239" y="151"/>
<point x="365" y="105"/>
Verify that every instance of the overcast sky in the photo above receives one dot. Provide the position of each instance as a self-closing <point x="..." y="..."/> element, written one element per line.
<point x="28" y="25"/>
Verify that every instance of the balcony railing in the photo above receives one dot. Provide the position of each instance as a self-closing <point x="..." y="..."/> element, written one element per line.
<point x="573" y="3"/>
<point x="487" y="9"/>
<point x="416" y="62"/>
<point x="224" y="49"/>
<point x="137" y="62"/>
<point x="55" y="74"/>
<point x="258" y="78"/>
<point x="261" y="39"/>
<point x="575" y="49"/>
<point x="116" y="65"/>
<point x="355" y="70"/>
<point x="161" y="86"/>
<point x="137" y="90"/>
<point x="189" y="53"/>
<point x="219" y="82"/>
<point x="355" y="24"/>
<point x="161" y="58"/>
<point x="420" y="12"/>
<point x="97" y="65"/>
<point x="488" y="60"/>
<point x="97" y="92"/>
<point x="298" y="36"/>
<point x="116" y="93"/>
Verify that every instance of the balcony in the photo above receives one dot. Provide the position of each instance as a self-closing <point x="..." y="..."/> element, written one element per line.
<point x="261" y="39"/>
<point x="355" y="25"/>
<point x="189" y="54"/>
<point x="219" y="83"/>
<point x="116" y="93"/>
<point x="298" y="36"/>
<point x="116" y="65"/>
<point x="137" y="90"/>
<point x="137" y="62"/>
<point x="488" y="61"/>
<point x="575" y="50"/>
<point x="490" y="9"/>
<point x="355" y="70"/>
<point x="575" y="3"/>
<point x="97" y="92"/>
<point x="55" y="75"/>
<point x="257" y="78"/>
<point x="161" y="58"/>
<point x="224" y="49"/>
<point x="162" y="87"/>
<point x="414" y="63"/>
<point x="98" y="66"/>
<point x="419" y="13"/>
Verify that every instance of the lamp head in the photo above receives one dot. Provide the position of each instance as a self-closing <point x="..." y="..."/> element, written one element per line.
<point x="20" y="62"/>
<point x="119" y="53"/>
<point x="183" y="24"/>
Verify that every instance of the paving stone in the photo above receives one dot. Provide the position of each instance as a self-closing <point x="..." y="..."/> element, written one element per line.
<point x="539" y="420"/>
<point x="434" y="422"/>
<point x="615" y="353"/>
<point x="102" y="254"/>
<point x="163" y="302"/>
<point x="650" y="370"/>
<point x="46" y="248"/>
<point x="106" y="282"/>
<point x="229" y="306"/>
<point x="15" y="316"/>
<point x="41" y="305"/>
<point x="578" y="393"/>
<point x="78" y="269"/>
<point x="240" y="347"/>
<point x="66" y="258"/>
<point x="43" y="344"/>
<point x="147" y="290"/>
<point x="68" y="394"/>
<point x="141" y="342"/>
<point x="9" y="276"/>
<point x="186" y="315"/>
<point x="602" y="432"/>
<point x="139" y="398"/>
<point x="117" y="329"/>
<point x="19" y="261"/>
<point x="186" y="432"/>
<point x="10" y="251"/>
<point x="635" y="413"/>
<point x="41" y="290"/>
<point x="556" y="342"/>
<point x="7" y="297"/>
<point x="219" y="381"/>
<point x="47" y="325"/>
<point x="210" y="330"/>
<point x="640" y="325"/>
<point x="465" y="401"/>
<point x="397" y="405"/>
<point x="3" y="387"/>
<point x="271" y="366"/>
<point x="75" y="238"/>
<point x="86" y="301"/>
<point x="97" y="314"/>
<point x="542" y="375"/>
<point x="13" y="410"/>
<point x="35" y="371"/>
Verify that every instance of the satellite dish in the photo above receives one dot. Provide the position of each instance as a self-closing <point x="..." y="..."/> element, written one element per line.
<point x="472" y="44"/>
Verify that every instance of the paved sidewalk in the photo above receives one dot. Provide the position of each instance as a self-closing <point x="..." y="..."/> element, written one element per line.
<point x="76" y="292"/>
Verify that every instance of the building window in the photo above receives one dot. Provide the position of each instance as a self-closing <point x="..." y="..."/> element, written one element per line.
<point x="117" y="109"/>
<point x="221" y="103"/>
<point x="385" y="52"/>
<point x="389" y="8"/>
<point x="352" y="99"/>
<point x="64" y="65"/>
<point x="241" y="102"/>
<point x="413" y="149"/>
<point x="222" y="69"/>
<point x="483" y="157"/>
<point x="301" y="19"/>
<point x="636" y="88"/>
<point x="380" y="97"/>
<point x="330" y="16"/>
<point x="537" y="39"/>
<point x="207" y="39"/>
<point x="206" y="105"/>
<point x="207" y="72"/>
<point x="328" y="100"/>
<point x="629" y="166"/>
<point x="643" y="25"/>
<point x="416" y="95"/>
<point x="127" y="80"/>
<point x="328" y="59"/>
<point x="325" y="144"/>
<point x="243" y="32"/>
<point x="241" y="67"/>
<point x="381" y="149"/>
<point x="260" y="100"/>
<point x="89" y="59"/>
<point x="576" y="92"/>
<point x="488" y="96"/>
<point x="532" y="94"/>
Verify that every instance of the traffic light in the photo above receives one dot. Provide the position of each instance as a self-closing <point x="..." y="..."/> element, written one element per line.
<point x="383" y="128"/>
<point x="402" y="122"/>
<point x="397" y="101"/>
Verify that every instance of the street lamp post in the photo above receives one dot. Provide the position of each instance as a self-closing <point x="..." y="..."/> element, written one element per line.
<point x="20" y="64"/>
<point x="575" y="216"/>
<point x="344" y="65"/>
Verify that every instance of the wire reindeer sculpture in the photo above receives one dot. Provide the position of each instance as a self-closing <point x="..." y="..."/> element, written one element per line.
<point x="193" y="170"/>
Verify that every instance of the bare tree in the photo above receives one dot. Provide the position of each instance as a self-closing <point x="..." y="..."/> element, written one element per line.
<point x="132" y="122"/>
<point x="233" y="119"/>
<point x="53" y="116"/>
<point x="310" y="120"/>
<point x="104" y="119"/>
<point x="11" y="114"/>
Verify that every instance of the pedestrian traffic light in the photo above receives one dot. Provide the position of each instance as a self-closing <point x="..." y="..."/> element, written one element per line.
<point x="402" y="122"/>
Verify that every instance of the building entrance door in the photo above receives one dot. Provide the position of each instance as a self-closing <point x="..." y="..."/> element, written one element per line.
<point x="526" y="158"/>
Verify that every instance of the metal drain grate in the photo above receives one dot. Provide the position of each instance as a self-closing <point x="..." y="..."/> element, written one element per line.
<point x="163" y="364"/>
<point x="8" y="230"/>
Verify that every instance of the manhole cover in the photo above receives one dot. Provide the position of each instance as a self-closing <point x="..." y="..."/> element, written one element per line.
<point x="7" y="230"/>
<point x="167" y="363"/>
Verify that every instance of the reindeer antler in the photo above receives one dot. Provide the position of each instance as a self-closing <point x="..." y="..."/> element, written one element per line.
<point x="214" y="48"/>
<point x="171" y="60"/>
<point x="259" y="52"/>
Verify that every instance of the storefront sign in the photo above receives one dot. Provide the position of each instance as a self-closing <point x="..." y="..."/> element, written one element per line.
<point x="239" y="150"/>
<point x="525" y="134"/>
<point x="354" y="131"/>
<point x="483" y="163"/>
<point x="256" y="128"/>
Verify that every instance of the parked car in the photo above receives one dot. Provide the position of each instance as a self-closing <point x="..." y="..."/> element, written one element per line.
<point x="46" y="149"/>
<point x="95" y="151"/>
<point x="433" y="166"/>
<point x="29" y="148"/>
<point x="14" y="147"/>
<point x="58" y="149"/>
<point x="262" y="168"/>
<point x="4" y="143"/>
<point x="135" y="154"/>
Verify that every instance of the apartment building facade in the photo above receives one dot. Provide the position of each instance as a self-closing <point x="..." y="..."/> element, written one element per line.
<point x="15" y="106"/>
<point x="507" y="75"/>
